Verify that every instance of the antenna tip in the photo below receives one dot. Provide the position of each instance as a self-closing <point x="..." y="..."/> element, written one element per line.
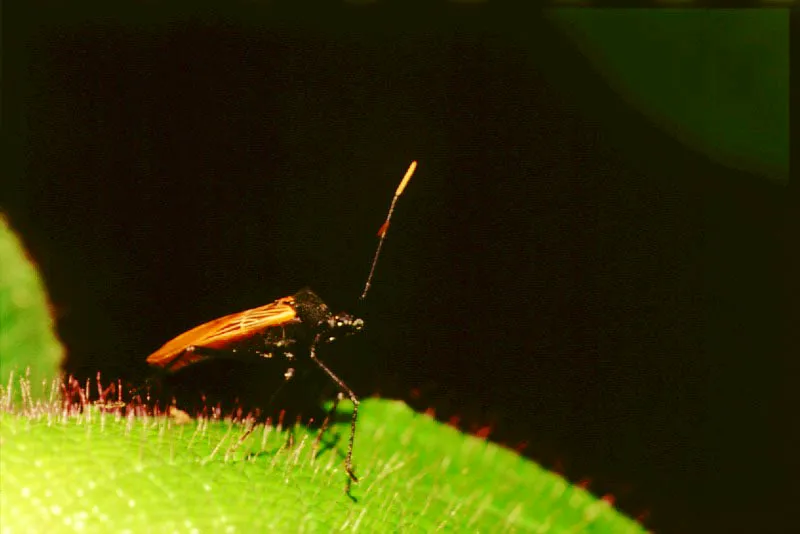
<point x="406" y="178"/>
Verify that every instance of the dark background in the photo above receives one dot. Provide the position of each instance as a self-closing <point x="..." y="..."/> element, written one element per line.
<point x="559" y="268"/>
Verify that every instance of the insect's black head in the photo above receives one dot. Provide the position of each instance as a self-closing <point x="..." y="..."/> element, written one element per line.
<point x="342" y="325"/>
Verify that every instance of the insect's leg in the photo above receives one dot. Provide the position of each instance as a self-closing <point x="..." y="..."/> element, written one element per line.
<point x="326" y="423"/>
<point x="348" y="463"/>
<point x="247" y="355"/>
<point x="288" y="375"/>
<point x="156" y="378"/>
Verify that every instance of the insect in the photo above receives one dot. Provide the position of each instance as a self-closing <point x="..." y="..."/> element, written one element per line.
<point x="290" y="327"/>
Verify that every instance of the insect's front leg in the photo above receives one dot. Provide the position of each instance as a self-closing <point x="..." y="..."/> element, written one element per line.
<point x="345" y="389"/>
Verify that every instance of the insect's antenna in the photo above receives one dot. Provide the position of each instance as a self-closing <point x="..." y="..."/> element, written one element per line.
<point x="385" y="226"/>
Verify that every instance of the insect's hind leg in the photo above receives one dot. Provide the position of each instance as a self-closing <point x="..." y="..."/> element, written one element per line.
<point x="287" y="377"/>
<point x="245" y="356"/>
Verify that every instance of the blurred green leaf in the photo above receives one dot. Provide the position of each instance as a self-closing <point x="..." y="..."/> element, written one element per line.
<point x="718" y="80"/>
<point x="27" y="338"/>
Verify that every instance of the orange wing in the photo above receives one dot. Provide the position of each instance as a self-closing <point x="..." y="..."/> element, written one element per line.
<point x="222" y="332"/>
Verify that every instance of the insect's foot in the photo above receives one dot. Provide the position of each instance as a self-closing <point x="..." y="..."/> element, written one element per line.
<point x="352" y="475"/>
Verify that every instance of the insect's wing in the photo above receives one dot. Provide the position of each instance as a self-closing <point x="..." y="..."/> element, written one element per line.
<point x="221" y="333"/>
<point x="172" y="355"/>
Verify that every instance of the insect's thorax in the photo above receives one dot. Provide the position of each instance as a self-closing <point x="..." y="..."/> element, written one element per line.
<point x="318" y="319"/>
<point x="311" y="310"/>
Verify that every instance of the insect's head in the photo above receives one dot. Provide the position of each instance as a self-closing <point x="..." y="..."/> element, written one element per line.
<point x="342" y="325"/>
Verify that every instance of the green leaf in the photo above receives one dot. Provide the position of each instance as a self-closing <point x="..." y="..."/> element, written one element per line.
<point x="27" y="339"/>
<point x="101" y="472"/>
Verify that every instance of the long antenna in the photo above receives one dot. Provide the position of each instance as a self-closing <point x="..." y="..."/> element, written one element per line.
<point x="385" y="226"/>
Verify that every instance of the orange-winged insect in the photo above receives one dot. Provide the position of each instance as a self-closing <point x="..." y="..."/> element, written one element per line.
<point x="291" y="327"/>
